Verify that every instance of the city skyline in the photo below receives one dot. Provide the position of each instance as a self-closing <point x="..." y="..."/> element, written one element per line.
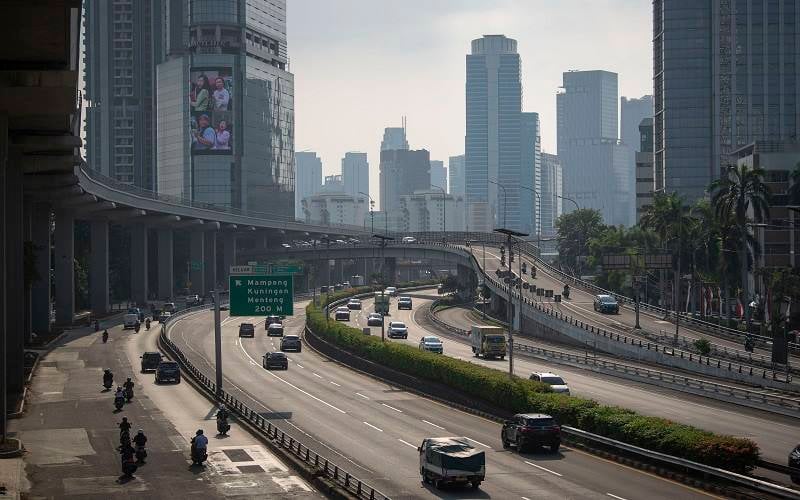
<point x="428" y="86"/>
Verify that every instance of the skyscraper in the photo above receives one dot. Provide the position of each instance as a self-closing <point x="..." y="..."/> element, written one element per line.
<point x="455" y="171"/>
<point x="394" y="138"/>
<point x="645" y="184"/>
<point x="355" y="173"/>
<point x="632" y="111"/>
<point x="308" y="178"/>
<point x="402" y="172"/>
<point x="492" y="141"/>
<point x="725" y="75"/>
<point x="122" y="48"/>
<point x="598" y="170"/>
<point x="438" y="174"/>
<point x="551" y="194"/>
<point x="530" y="172"/>
<point x="226" y="106"/>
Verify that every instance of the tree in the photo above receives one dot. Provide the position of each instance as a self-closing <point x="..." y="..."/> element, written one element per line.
<point x="741" y="191"/>
<point x="575" y="229"/>
<point x="794" y="186"/>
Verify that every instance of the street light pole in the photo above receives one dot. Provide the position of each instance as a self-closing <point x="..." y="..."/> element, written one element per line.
<point x="511" y="233"/>
<point x="384" y="239"/>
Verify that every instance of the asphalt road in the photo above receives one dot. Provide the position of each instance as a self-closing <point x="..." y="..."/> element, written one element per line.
<point x="373" y="428"/>
<point x="775" y="434"/>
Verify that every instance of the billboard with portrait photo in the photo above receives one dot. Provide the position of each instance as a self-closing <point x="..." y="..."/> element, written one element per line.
<point x="211" y="104"/>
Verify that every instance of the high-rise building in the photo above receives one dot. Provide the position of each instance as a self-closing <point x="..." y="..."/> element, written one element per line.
<point x="394" y="138"/>
<point x="492" y="141"/>
<point x="725" y="75"/>
<point x="426" y="210"/>
<point x="598" y="170"/>
<point x="225" y="101"/>
<point x="336" y="209"/>
<point x="402" y="172"/>
<point x="551" y="194"/>
<point x="530" y="172"/>
<point x="455" y="170"/>
<point x="308" y="178"/>
<point x="333" y="184"/>
<point x="122" y="48"/>
<point x="355" y="173"/>
<point x="438" y="174"/>
<point x="632" y="111"/>
<point x="645" y="182"/>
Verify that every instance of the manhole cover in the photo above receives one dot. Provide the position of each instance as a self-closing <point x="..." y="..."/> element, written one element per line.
<point x="237" y="455"/>
<point x="249" y="469"/>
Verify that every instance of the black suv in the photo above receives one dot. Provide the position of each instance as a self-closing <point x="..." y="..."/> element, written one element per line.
<point x="531" y="429"/>
<point x="247" y="330"/>
<point x="150" y="361"/>
<point x="168" y="371"/>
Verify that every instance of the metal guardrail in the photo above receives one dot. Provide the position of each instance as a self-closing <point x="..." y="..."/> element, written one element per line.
<point x="321" y="465"/>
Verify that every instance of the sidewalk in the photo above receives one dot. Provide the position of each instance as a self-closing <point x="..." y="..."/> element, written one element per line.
<point x="71" y="436"/>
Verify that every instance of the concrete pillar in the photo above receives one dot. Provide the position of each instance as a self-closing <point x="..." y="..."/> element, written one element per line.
<point x="165" y="262"/>
<point x="4" y="354"/>
<point x="15" y="278"/>
<point x="390" y="274"/>
<point x="228" y="257"/>
<point x="210" y="261"/>
<point x="27" y="237"/>
<point x="140" y="289"/>
<point x="197" y="275"/>
<point x="98" y="270"/>
<point x="65" y="266"/>
<point x="40" y="291"/>
<point x="338" y="271"/>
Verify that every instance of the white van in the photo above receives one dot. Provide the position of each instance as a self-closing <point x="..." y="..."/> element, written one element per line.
<point x="130" y="320"/>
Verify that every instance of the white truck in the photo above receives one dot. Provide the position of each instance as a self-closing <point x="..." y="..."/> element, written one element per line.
<point x="130" y="320"/>
<point x="488" y="341"/>
<point x="451" y="460"/>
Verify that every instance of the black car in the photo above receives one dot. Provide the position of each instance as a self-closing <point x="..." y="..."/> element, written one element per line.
<point x="291" y="343"/>
<point x="247" y="330"/>
<point x="168" y="371"/>
<point x="275" y="360"/>
<point x="272" y="319"/>
<point x="531" y="429"/>
<point x="606" y="304"/>
<point x="794" y="462"/>
<point x="150" y="361"/>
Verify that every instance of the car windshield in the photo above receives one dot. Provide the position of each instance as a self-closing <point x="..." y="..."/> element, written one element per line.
<point x="291" y="337"/>
<point x="168" y="366"/>
<point x="277" y="355"/>
<point x="540" y="422"/>
<point x="431" y="340"/>
<point x="553" y="380"/>
<point x="608" y="300"/>
<point x="398" y="324"/>
<point x="495" y="340"/>
<point x="133" y="311"/>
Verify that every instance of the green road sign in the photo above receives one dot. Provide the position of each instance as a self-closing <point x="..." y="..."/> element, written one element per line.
<point x="276" y="269"/>
<point x="260" y="295"/>
<point x="196" y="265"/>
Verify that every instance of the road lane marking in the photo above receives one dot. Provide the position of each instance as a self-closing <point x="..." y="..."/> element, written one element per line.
<point x="299" y="365"/>
<point x="392" y="408"/>
<point x="407" y="443"/>
<point x="363" y="396"/>
<point x="525" y="498"/>
<point x="376" y="428"/>
<point x="615" y="496"/>
<point x="316" y="374"/>
<point x="334" y="383"/>
<point x="543" y="468"/>
<point x="431" y="423"/>
<point x="478" y="442"/>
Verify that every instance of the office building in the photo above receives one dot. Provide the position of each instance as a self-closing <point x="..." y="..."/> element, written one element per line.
<point x="336" y="209"/>
<point x="645" y="182"/>
<point x="530" y="173"/>
<point x="725" y="75"/>
<point x="355" y="173"/>
<point x="394" y="138"/>
<point x="334" y="184"/>
<point x="551" y="203"/>
<point x="597" y="169"/>
<point x="438" y="174"/>
<point x="455" y="171"/>
<point x="308" y="178"/>
<point x="430" y="210"/>
<point x="122" y="47"/>
<point x="492" y="141"/>
<point x="402" y="172"/>
<point x="225" y="101"/>
<point x="632" y="111"/>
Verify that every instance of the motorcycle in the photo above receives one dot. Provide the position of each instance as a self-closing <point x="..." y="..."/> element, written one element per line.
<point x="105" y="336"/>
<point x="565" y="293"/>
<point x="119" y="402"/>
<point x="108" y="382"/>
<point x="141" y="453"/>
<point x="147" y="324"/>
<point x="137" y="327"/>
<point x="96" y="326"/>
<point x="128" y="467"/>
<point x="198" y="456"/>
<point x="128" y="394"/>
<point x="223" y="426"/>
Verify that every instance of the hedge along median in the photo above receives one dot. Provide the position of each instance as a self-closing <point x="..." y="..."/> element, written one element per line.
<point x="523" y="396"/>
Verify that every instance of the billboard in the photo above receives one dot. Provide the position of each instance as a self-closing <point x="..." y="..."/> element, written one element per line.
<point x="211" y="116"/>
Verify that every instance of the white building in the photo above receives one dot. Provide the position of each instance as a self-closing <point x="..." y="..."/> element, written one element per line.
<point x="308" y="178"/>
<point x="336" y="208"/>
<point x="428" y="210"/>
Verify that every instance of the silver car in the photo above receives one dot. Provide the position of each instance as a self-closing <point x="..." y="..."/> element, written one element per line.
<point x="398" y="329"/>
<point x="555" y="382"/>
<point x="431" y="344"/>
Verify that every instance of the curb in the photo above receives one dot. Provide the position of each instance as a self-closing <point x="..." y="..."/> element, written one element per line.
<point x="13" y="453"/>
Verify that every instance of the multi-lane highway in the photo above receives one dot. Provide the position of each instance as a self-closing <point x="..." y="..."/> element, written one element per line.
<point x="372" y="428"/>
<point x="775" y="434"/>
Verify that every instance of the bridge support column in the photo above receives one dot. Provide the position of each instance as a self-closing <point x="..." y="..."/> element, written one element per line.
<point x="140" y="292"/>
<point x="98" y="271"/>
<point x="197" y="275"/>
<point x="27" y="238"/>
<point x="65" y="266"/>
<point x="210" y="262"/>
<point x="338" y="271"/>
<point x="228" y="258"/>
<point x="40" y="291"/>
<point x="390" y="269"/>
<point x="14" y="277"/>
<point x="165" y="258"/>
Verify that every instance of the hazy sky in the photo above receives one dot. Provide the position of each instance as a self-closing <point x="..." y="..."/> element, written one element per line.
<point x="360" y="65"/>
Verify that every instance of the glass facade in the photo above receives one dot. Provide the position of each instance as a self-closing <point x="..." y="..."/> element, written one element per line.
<point x="455" y="168"/>
<point x="551" y="194"/>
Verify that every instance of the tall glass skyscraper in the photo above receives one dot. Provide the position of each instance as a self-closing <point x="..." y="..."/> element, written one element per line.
<point x="493" y="135"/>
<point x="725" y="74"/>
<point x="455" y="170"/>
<point x="225" y="103"/>
<point x="308" y="178"/>
<point x="530" y="173"/>
<point x="355" y="173"/>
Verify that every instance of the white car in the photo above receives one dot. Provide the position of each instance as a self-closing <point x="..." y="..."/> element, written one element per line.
<point x="354" y="304"/>
<point x="555" y="382"/>
<point x="398" y="329"/>
<point x="409" y="239"/>
<point x="392" y="291"/>
<point x="342" y="314"/>
<point x="431" y="344"/>
<point x="375" y="319"/>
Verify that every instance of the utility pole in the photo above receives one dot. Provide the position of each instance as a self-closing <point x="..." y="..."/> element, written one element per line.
<point x="217" y="343"/>
<point x="384" y="239"/>
<point x="510" y="233"/>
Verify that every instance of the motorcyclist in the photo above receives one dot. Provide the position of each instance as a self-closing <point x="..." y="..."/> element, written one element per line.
<point x="96" y="325"/>
<point x="223" y="413"/>
<point x="140" y="440"/>
<point x="108" y="378"/>
<point x="128" y="385"/>
<point x="105" y="336"/>
<point x="119" y="396"/>
<point x="147" y="324"/>
<point x="566" y="291"/>
<point x="128" y="464"/>
<point x="222" y="420"/>
<point x="124" y="426"/>
<point x="199" y="446"/>
<point x="137" y="327"/>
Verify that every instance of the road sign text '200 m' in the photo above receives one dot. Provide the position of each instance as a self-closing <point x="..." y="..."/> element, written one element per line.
<point x="252" y="295"/>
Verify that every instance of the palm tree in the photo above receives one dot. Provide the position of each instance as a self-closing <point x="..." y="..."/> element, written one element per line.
<point x="740" y="192"/>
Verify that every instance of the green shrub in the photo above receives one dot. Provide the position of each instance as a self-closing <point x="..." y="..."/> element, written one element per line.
<point x="522" y="396"/>
<point x="703" y="346"/>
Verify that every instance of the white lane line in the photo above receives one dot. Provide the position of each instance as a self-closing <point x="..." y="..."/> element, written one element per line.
<point x="292" y="385"/>
<point x="407" y="443"/>
<point x="363" y="396"/>
<point x="615" y="496"/>
<point x="525" y="498"/>
<point x="299" y="365"/>
<point x="376" y="428"/>
<point x="478" y="442"/>
<point x="543" y="468"/>
<point x="334" y="383"/>
<point x="431" y="423"/>
<point x="316" y="374"/>
<point x="392" y="408"/>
